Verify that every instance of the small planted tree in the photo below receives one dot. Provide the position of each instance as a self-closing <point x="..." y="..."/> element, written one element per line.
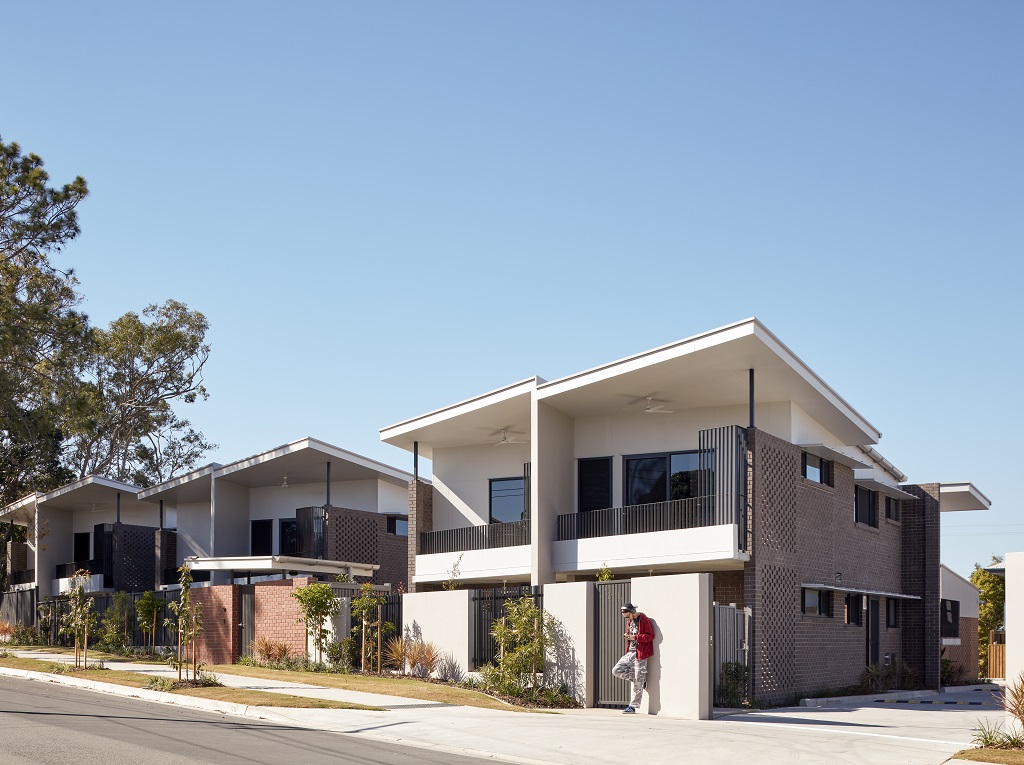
<point x="523" y="636"/>
<point x="187" y="623"/>
<point x="75" y="621"/>
<point x="604" y="574"/>
<point x="317" y="604"/>
<point x="367" y="610"/>
<point x="148" y="609"/>
<point x="117" y="624"/>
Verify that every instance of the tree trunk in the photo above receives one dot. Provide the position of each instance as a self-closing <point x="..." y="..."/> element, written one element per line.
<point x="379" y="631"/>
<point x="85" y="647"/>
<point x="179" y="650"/>
<point x="362" y="658"/>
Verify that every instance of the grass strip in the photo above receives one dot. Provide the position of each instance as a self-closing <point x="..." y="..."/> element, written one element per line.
<point x="985" y="754"/>
<point x="406" y="688"/>
<point x="244" y="696"/>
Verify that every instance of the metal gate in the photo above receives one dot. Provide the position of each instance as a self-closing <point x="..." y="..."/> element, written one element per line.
<point x="732" y="645"/>
<point x="609" y="644"/>
<point x="247" y="594"/>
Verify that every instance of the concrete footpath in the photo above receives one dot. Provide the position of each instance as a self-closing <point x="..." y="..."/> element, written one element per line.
<point x="868" y="732"/>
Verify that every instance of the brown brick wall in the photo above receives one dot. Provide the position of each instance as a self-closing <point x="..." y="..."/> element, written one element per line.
<point x="218" y="643"/>
<point x="17" y="556"/>
<point x="421" y="520"/>
<point x="965" y="654"/>
<point x="729" y="588"/>
<point x="361" y="537"/>
<point x="805" y="532"/>
<point x="277" y="614"/>
<point x="921" y="629"/>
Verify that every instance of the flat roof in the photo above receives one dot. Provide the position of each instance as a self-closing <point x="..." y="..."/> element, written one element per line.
<point x="956" y="497"/>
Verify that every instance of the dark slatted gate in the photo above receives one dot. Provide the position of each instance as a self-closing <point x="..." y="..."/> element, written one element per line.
<point x="609" y="644"/>
<point x="247" y="594"/>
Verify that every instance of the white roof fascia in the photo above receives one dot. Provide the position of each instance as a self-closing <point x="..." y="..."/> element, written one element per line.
<point x="173" y="483"/>
<point x="719" y="336"/>
<point x="108" y="483"/>
<point x="882" y="462"/>
<point x="322" y="446"/>
<point x="20" y="503"/>
<point x="463" y="407"/>
<point x="647" y="358"/>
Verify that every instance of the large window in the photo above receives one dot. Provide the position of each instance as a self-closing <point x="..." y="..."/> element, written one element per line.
<point x="289" y="536"/>
<point x="950" y="618"/>
<point x="817" y="469"/>
<point x="508" y="500"/>
<point x="661" y="477"/>
<point x="816" y="602"/>
<point x="866" y="506"/>
<point x="595" y="484"/>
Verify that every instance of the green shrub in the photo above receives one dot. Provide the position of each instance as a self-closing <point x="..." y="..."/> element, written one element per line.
<point x="733" y="683"/>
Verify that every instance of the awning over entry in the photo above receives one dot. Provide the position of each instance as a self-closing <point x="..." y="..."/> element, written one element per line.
<point x="280" y="564"/>
<point x="861" y="591"/>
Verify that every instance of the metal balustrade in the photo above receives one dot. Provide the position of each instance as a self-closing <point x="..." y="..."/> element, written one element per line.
<point x="489" y="537"/>
<point x="654" y="516"/>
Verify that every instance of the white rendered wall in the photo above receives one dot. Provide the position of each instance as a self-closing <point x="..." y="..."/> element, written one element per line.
<point x="491" y="565"/>
<point x="194" y="521"/>
<point x="679" y="672"/>
<point x="1014" y="564"/>
<point x="442" y="618"/>
<point x="279" y="502"/>
<point x="552" y="483"/>
<point x="653" y="549"/>
<point x="86" y="520"/>
<point x="461" y="478"/>
<point x="55" y="544"/>
<point x="571" y="659"/>
<point x="952" y="587"/>
<point x="392" y="499"/>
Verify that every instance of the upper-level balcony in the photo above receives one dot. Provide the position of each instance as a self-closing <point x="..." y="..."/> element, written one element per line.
<point x="492" y="551"/>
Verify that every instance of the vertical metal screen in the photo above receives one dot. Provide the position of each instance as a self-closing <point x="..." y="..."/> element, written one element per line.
<point x="609" y="644"/>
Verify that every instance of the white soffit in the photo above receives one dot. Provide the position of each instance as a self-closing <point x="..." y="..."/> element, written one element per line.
<point x="474" y="422"/>
<point x="828" y="453"/>
<point x="884" y="488"/>
<point x="955" y="497"/>
<point x="191" y="487"/>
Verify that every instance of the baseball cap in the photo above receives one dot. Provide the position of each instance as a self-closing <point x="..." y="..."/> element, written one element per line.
<point x="628" y="608"/>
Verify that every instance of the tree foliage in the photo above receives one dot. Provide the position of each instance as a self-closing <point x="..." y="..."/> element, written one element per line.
<point x="75" y="399"/>
<point x="317" y="604"/>
<point x="991" y="607"/>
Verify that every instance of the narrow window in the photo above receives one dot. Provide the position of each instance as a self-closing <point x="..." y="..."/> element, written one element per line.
<point x="261" y="538"/>
<point x="82" y="540"/>
<point x="892" y="508"/>
<point x="595" y="484"/>
<point x="817" y="469"/>
<point x="866" y="506"/>
<point x="892" y="612"/>
<point x="854" y="609"/>
<point x="289" y="536"/>
<point x="950" y="618"/>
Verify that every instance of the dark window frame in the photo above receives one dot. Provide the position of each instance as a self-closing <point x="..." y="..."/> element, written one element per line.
<point x="667" y="456"/>
<point x="892" y="509"/>
<point x="825" y="468"/>
<point x="949" y="623"/>
<point x="82" y="539"/>
<point x="823" y="602"/>
<point x="490" y="497"/>
<point x="855" y="609"/>
<point x="579" y="482"/>
<point x="264" y="522"/>
<point x="281" y="536"/>
<point x="892" y="613"/>
<point x="867" y="516"/>
<point x="392" y="525"/>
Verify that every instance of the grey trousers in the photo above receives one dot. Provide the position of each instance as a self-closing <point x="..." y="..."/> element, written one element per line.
<point x="634" y="670"/>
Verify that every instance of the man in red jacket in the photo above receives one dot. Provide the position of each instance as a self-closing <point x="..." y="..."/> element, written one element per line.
<point x="632" y="666"/>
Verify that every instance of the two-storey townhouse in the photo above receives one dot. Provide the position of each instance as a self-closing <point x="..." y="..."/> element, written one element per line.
<point x="723" y="453"/>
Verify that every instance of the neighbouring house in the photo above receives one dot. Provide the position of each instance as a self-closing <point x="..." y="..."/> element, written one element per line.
<point x="96" y="525"/>
<point x="959" y="603"/>
<point x="723" y="454"/>
<point x="305" y="508"/>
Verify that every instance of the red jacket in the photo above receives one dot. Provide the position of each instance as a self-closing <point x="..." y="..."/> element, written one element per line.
<point x="644" y="637"/>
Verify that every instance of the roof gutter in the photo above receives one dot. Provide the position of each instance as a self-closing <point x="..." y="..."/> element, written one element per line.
<point x="888" y="466"/>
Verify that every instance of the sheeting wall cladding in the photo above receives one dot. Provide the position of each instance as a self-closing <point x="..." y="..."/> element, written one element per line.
<point x="804" y="532"/>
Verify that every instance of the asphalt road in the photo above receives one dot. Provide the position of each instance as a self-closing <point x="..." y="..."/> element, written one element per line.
<point x="43" y="723"/>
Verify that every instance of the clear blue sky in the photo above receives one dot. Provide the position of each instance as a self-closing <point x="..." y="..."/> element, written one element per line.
<point x="387" y="207"/>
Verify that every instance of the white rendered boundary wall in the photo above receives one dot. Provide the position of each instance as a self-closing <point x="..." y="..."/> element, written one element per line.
<point x="1014" y="614"/>
<point x="679" y="606"/>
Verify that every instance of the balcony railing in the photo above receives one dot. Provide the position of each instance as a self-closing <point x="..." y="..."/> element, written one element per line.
<point x="489" y="537"/>
<point x="655" y="516"/>
<point x="27" y="576"/>
<point x="67" y="570"/>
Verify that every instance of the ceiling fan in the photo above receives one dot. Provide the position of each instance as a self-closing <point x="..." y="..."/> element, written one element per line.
<point x="507" y="437"/>
<point x="652" y="408"/>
